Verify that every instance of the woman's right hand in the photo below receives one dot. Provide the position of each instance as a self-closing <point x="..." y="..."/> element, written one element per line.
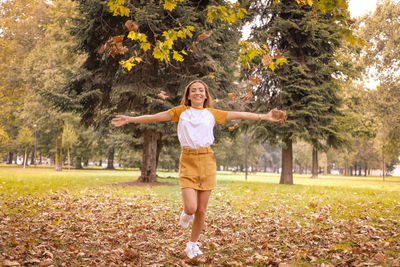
<point x="120" y="120"/>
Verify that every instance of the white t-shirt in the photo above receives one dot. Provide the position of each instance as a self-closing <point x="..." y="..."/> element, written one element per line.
<point x="195" y="125"/>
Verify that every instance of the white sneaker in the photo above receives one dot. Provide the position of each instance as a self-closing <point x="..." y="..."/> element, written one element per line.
<point x="185" y="219"/>
<point x="192" y="250"/>
<point x="197" y="250"/>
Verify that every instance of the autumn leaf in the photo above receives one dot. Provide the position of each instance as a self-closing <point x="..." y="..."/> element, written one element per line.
<point x="194" y="50"/>
<point x="232" y="128"/>
<point x="211" y="75"/>
<point x="248" y="94"/>
<point x="131" y="26"/>
<point x="163" y="95"/>
<point x="266" y="60"/>
<point x="10" y="263"/>
<point x="115" y="44"/>
<point x="204" y="35"/>
<point x="232" y="96"/>
<point x="254" y="81"/>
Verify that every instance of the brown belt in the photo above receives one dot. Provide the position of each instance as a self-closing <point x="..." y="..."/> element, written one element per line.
<point x="200" y="150"/>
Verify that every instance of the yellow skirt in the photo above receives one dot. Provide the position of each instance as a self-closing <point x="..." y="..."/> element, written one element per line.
<point x="197" y="169"/>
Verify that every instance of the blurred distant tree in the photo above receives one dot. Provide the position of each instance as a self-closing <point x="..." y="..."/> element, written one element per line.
<point x="25" y="140"/>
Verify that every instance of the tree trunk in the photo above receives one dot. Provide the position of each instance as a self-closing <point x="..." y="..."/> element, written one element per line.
<point x="78" y="163"/>
<point x="149" y="158"/>
<point x="69" y="160"/>
<point x="110" y="159"/>
<point x="314" y="168"/>
<point x="25" y="157"/>
<point x="159" y="147"/>
<point x="33" y="157"/>
<point x="58" y="156"/>
<point x="287" y="162"/>
<point x="10" y="157"/>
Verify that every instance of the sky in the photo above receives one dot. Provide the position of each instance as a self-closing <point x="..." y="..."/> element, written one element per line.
<point x="360" y="7"/>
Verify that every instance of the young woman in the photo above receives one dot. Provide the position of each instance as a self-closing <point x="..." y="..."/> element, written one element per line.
<point x="197" y="167"/>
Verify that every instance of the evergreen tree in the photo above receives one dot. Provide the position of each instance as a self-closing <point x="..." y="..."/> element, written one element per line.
<point x="305" y="87"/>
<point x="105" y="89"/>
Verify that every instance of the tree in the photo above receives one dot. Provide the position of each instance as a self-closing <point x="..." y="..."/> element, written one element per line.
<point x="25" y="140"/>
<point x="302" y="156"/>
<point x="305" y="87"/>
<point x="4" y="139"/>
<point x="69" y="138"/>
<point x="43" y="75"/>
<point x="381" y="60"/>
<point x="105" y="89"/>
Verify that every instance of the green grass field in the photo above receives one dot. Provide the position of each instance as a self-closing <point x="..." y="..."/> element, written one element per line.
<point x="85" y="217"/>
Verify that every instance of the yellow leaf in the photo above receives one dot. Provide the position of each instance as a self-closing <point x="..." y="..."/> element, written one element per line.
<point x="310" y="2"/>
<point x="157" y="53"/>
<point x="272" y="66"/>
<point x="177" y="56"/>
<point x="183" y="52"/>
<point x="145" y="46"/>
<point x="132" y="35"/>
<point x="281" y="61"/>
<point x="127" y="64"/>
<point x="169" y="5"/>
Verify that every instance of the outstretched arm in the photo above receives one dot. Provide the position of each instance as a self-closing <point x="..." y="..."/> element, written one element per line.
<point x="120" y="120"/>
<point x="275" y="115"/>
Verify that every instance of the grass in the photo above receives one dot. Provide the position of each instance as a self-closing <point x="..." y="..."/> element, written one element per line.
<point x="304" y="217"/>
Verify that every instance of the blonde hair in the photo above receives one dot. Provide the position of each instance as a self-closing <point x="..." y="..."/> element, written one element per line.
<point x="208" y="103"/>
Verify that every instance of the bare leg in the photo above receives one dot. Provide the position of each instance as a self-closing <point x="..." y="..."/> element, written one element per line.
<point x="200" y="215"/>
<point x="189" y="196"/>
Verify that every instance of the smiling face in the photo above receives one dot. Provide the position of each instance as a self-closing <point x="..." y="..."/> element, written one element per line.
<point x="197" y="95"/>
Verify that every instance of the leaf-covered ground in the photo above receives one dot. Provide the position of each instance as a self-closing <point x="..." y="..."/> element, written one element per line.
<point x="247" y="224"/>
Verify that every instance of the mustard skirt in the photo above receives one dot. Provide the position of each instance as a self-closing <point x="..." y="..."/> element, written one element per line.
<point x="197" y="169"/>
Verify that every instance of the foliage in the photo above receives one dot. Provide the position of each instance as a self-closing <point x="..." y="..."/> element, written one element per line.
<point x="69" y="136"/>
<point x="4" y="139"/>
<point x="380" y="60"/>
<point x="25" y="137"/>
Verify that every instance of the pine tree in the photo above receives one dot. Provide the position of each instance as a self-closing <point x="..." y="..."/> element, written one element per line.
<point x="105" y="89"/>
<point x="305" y="87"/>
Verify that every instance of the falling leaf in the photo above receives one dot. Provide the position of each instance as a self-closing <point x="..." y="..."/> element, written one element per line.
<point x="115" y="44"/>
<point x="131" y="26"/>
<point x="211" y="75"/>
<point x="204" y="35"/>
<point x="248" y="94"/>
<point x="163" y="95"/>
<point x="194" y="50"/>
<point x="232" y="96"/>
<point x="314" y="14"/>
<point x="266" y="60"/>
<point x="232" y="128"/>
<point x="254" y="81"/>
